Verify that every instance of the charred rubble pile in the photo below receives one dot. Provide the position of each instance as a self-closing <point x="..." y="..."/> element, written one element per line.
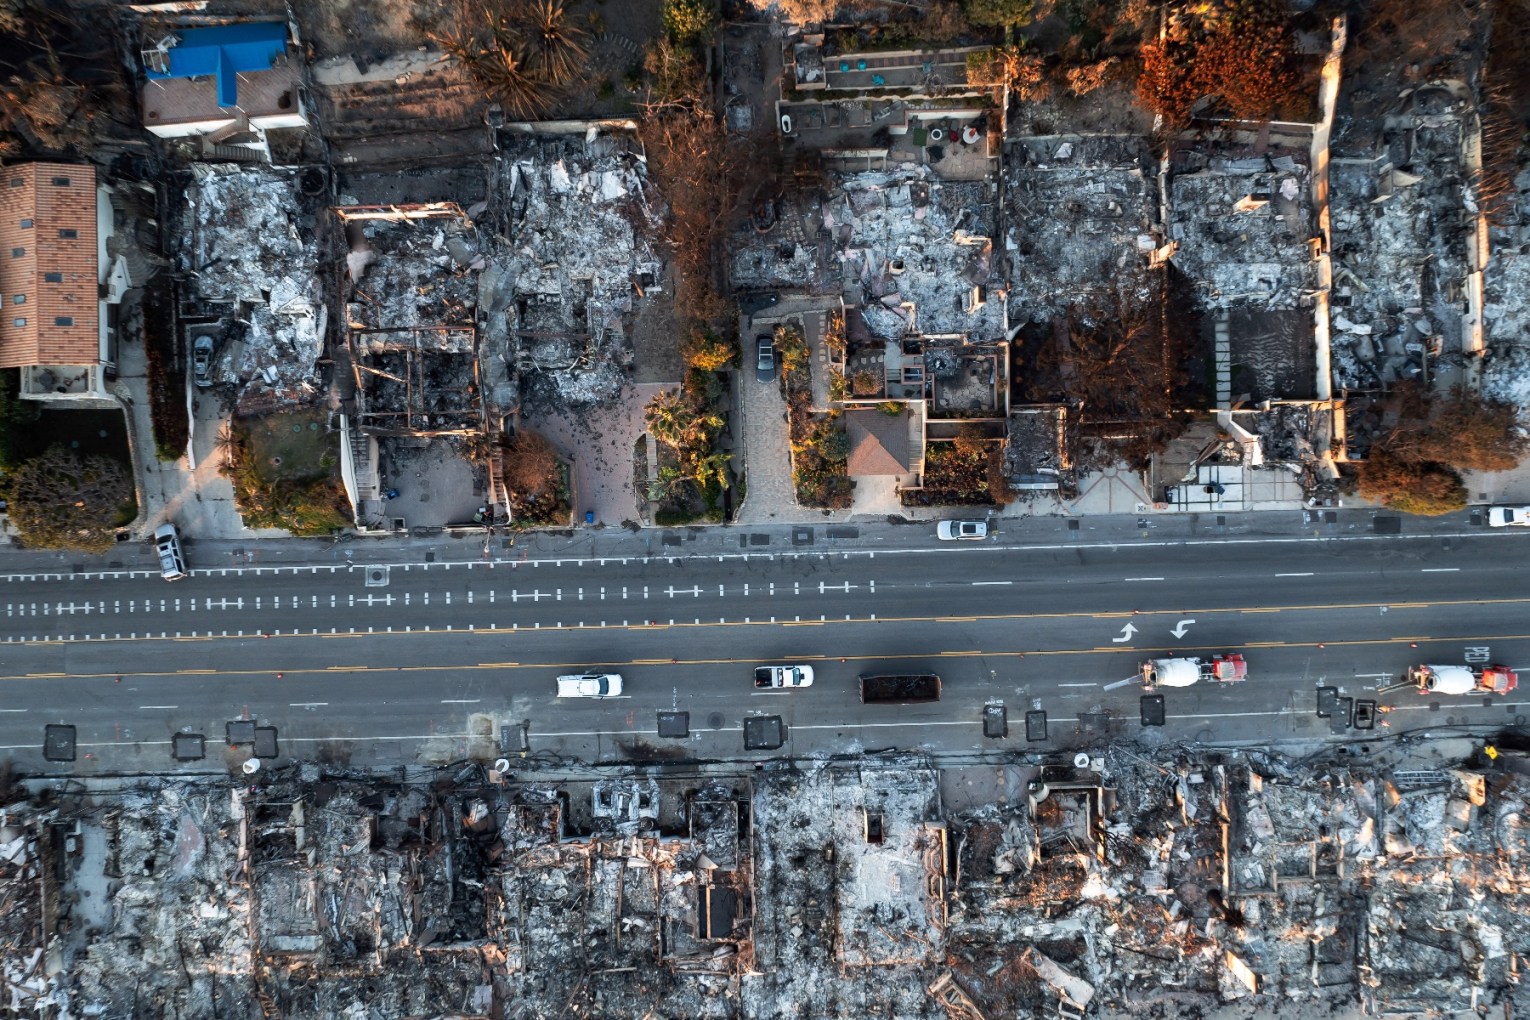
<point x="1192" y="884"/>
<point x="576" y="221"/>
<point x="247" y="274"/>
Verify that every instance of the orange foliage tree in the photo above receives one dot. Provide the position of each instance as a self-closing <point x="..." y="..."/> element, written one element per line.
<point x="1241" y="52"/>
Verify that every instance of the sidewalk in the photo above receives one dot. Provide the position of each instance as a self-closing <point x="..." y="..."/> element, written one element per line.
<point x="812" y="538"/>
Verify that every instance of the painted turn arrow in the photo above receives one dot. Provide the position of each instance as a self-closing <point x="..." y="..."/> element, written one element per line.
<point x="1126" y="635"/>
<point x="1181" y="627"/>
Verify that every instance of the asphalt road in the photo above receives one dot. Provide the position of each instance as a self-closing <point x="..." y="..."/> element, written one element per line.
<point x="432" y="662"/>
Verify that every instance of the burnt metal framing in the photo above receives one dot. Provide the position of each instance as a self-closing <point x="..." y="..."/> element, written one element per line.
<point x="423" y="403"/>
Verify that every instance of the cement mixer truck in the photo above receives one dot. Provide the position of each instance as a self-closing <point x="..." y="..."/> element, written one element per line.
<point x="1182" y="672"/>
<point x="1462" y="679"/>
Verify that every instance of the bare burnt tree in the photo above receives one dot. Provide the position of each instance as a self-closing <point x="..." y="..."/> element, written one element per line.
<point x="60" y="85"/>
<point x="1117" y="358"/>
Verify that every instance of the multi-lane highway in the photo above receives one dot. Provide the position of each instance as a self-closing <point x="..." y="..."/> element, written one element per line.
<point x="433" y="661"/>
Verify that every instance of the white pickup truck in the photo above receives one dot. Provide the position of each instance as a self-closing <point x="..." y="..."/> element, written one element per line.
<point x="783" y="676"/>
<point x="590" y="685"/>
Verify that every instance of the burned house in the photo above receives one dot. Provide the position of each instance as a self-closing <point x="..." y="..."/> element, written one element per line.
<point x="410" y="319"/>
<point x="1408" y="245"/>
<point x="247" y="266"/>
<point x="412" y="339"/>
<point x="1506" y="319"/>
<point x="1160" y="883"/>
<point x="1244" y="231"/>
<point x="1080" y="212"/>
<point x="1036" y="456"/>
<point x="850" y="890"/>
<point x="578" y="222"/>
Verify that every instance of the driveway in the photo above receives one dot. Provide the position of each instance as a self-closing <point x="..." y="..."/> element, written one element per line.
<point x="600" y="442"/>
<point x="769" y="495"/>
<point x="197" y="498"/>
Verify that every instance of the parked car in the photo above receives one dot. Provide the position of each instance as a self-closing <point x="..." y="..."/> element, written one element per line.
<point x="201" y="360"/>
<point x="765" y="363"/>
<point x="172" y="561"/>
<point x="1509" y="516"/>
<point x="959" y="531"/>
<point x="590" y="685"/>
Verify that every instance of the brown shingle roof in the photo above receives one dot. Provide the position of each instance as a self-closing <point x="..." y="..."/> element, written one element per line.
<point x="878" y="443"/>
<point x="57" y="275"/>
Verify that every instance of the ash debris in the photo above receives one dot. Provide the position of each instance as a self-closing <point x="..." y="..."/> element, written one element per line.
<point x="247" y="271"/>
<point x="921" y="251"/>
<point x="1506" y="376"/>
<point x="1401" y="260"/>
<point x="1242" y="224"/>
<point x="1176" y="885"/>
<point x="409" y="311"/>
<point x="575" y="221"/>
<point x="1080" y="213"/>
<point x="914" y="251"/>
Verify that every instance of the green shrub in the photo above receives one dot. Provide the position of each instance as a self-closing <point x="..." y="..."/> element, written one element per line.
<point x="689" y="22"/>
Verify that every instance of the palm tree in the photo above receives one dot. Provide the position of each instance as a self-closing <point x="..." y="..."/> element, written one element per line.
<point x="495" y="54"/>
<point x="504" y="72"/>
<point x="669" y="479"/>
<point x="556" y="46"/>
<point x="709" y="468"/>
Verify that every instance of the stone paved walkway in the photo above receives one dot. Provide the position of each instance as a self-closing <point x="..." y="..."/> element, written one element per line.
<point x="767" y="454"/>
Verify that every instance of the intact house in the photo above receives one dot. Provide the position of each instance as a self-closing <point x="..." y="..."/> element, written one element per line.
<point x="57" y="280"/>
<point x="224" y="86"/>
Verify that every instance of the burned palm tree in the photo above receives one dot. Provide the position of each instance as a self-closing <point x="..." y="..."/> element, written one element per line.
<point x="506" y="75"/>
<point x="488" y="46"/>
<point x="555" y="45"/>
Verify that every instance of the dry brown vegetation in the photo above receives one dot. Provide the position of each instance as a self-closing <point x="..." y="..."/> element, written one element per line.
<point x="1426" y="441"/>
<point x="1240" y="53"/>
<point x="60" y="500"/>
<point x="531" y="464"/>
<point x="1117" y="359"/>
<point x="58" y="83"/>
<point x="702" y="171"/>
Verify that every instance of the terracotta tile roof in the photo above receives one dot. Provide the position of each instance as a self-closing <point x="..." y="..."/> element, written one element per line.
<point x="49" y="266"/>
<point x="878" y="443"/>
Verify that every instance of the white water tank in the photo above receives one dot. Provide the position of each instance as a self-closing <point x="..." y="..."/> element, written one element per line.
<point x="1171" y="672"/>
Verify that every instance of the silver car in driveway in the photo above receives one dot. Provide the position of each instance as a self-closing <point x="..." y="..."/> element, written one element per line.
<point x="962" y="531"/>
<point x="201" y="360"/>
<point x="765" y="358"/>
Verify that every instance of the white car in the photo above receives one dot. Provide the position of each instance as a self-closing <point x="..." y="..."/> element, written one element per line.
<point x="172" y="561"/>
<point x="590" y="685"/>
<point x="958" y="531"/>
<point x="1509" y="516"/>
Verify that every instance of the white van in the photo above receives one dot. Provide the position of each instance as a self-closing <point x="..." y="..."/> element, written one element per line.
<point x="172" y="562"/>
<point x="590" y="685"/>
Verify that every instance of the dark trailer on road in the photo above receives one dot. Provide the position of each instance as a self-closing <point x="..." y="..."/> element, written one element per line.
<point x="906" y="689"/>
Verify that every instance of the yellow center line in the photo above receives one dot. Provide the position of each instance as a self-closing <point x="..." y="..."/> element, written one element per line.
<point x="879" y="657"/>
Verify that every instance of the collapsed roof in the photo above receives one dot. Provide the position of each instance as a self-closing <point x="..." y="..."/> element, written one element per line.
<point x="1163" y="887"/>
<point x="577" y="220"/>
<point x="250" y="254"/>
